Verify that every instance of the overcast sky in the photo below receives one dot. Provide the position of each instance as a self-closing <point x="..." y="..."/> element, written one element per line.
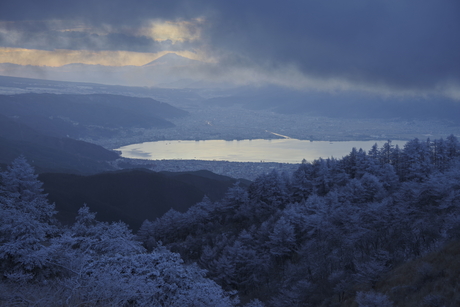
<point x="393" y="46"/>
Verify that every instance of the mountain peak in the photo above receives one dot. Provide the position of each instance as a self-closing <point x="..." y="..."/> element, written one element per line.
<point x="171" y="59"/>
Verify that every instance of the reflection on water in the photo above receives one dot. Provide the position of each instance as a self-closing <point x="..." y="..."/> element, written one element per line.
<point x="278" y="150"/>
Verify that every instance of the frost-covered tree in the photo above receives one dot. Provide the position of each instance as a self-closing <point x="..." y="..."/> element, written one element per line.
<point x="453" y="146"/>
<point x="282" y="238"/>
<point x="95" y="263"/>
<point x="386" y="153"/>
<point x="416" y="161"/>
<point x="101" y="238"/>
<point x="169" y="227"/>
<point x="146" y="235"/>
<point x="322" y="178"/>
<point x="254" y="303"/>
<point x="20" y="189"/>
<point x="26" y="218"/>
<point x="301" y="182"/>
<point x="335" y="224"/>
<point x="270" y="188"/>
<point x="158" y="278"/>
<point x="372" y="299"/>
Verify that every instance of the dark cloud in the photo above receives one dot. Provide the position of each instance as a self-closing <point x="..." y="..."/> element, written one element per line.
<point x="92" y="11"/>
<point x="402" y="44"/>
<point x="407" y="44"/>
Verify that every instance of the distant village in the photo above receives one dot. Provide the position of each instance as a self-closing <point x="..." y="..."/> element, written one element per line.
<point x="238" y="170"/>
<point x="238" y="123"/>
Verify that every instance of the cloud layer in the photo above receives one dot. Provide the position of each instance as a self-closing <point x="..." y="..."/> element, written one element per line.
<point x="407" y="45"/>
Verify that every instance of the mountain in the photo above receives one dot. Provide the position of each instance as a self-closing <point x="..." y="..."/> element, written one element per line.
<point x="17" y="85"/>
<point x="169" y="71"/>
<point x="339" y="105"/>
<point x="48" y="153"/>
<point x="95" y="115"/>
<point x="171" y="59"/>
<point x="131" y="196"/>
<point x="45" y="127"/>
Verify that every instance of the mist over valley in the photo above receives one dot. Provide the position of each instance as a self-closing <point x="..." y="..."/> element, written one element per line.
<point x="229" y="153"/>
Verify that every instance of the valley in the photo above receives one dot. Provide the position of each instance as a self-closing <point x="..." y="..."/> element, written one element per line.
<point x="242" y="113"/>
<point x="229" y="153"/>
<point x="238" y="123"/>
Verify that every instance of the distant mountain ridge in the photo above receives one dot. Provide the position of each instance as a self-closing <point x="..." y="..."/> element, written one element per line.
<point x="166" y="70"/>
<point x="339" y="105"/>
<point x="86" y="115"/>
<point x="48" y="153"/>
<point x="45" y="128"/>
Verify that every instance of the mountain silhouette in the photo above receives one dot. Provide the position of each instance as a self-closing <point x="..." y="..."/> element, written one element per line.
<point x="171" y="59"/>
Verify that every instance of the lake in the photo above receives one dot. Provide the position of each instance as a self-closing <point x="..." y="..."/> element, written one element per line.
<point x="275" y="150"/>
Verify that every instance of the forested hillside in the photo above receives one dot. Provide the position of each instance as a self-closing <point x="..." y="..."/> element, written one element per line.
<point x="95" y="115"/>
<point x="51" y="154"/>
<point x="336" y="232"/>
<point x="48" y="128"/>
<point x="330" y="229"/>
<point x="90" y="263"/>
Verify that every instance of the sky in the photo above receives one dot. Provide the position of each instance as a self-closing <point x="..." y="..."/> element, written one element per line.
<point x="401" y="47"/>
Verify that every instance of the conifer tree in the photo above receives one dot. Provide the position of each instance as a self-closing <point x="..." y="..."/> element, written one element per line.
<point x="25" y="218"/>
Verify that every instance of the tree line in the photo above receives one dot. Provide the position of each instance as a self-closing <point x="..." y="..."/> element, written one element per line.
<point x="89" y="263"/>
<point x="300" y="239"/>
<point x="307" y="238"/>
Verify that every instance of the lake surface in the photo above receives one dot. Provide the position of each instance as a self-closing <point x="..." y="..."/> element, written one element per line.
<point x="277" y="150"/>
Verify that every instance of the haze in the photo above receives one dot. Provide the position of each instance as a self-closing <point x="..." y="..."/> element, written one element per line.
<point x="239" y="153"/>
<point x="385" y="47"/>
<point x="308" y="70"/>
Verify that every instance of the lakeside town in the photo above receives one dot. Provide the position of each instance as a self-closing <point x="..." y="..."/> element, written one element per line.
<point x="238" y="123"/>
<point x="238" y="170"/>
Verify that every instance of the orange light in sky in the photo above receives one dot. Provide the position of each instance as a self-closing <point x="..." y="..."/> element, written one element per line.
<point x="60" y="57"/>
<point x="174" y="31"/>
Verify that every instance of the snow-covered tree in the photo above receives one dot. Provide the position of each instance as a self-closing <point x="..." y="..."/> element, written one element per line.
<point x="282" y="238"/>
<point x="159" y="278"/>
<point x="20" y="189"/>
<point x="372" y="299"/>
<point x="146" y="235"/>
<point x="301" y="182"/>
<point x="26" y="218"/>
<point x="101" y="238"/>
<point x="416" y="162"/>
<point x="269" y="190"/>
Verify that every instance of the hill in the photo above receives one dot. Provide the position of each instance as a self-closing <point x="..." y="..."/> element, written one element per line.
<point x="340" y="104"/>
<point x="95" y="115"/>
<point x="364" y="223"/>
<point x="48" y="153"/>
<point x="431" y="280"/>
<point x="428" y="281"/>
<point x="131" y="196"/>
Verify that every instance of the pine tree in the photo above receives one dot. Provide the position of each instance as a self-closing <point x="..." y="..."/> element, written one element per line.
<point x="282" y="238"/>
<point x="26" y="218"/>
<point x="301" y="183"/>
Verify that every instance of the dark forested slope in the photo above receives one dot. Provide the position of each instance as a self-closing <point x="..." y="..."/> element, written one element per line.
<point x="131" y="196"/>
<point x="45" y="127"/>
<point x="92" y="115"/>
<point x="51" y="154"/>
